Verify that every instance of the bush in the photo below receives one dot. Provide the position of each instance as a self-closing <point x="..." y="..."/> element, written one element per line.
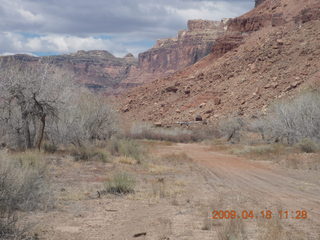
<point x="126" y="147"/>
<point x="175" y="134"/>
<point x="293" y="120"/>
<point x="24" y="186"/>
<point x="308" y="146"/>
<point x="50" y="148"/>
<point x="121" y="183"/>
<point x="230" y="129"/>
<point x="87" y="154"/>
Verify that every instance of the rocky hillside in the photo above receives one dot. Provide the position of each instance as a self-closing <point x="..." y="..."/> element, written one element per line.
<point x="95" y="69"/>
<point x="272" y="52"/>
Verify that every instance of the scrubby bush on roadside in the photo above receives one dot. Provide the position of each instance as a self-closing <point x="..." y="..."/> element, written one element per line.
<point x="24" y="186"/>
<point x="230" y="129"/>
<point x="308" y="146"/>
<point x="292" y="120"/>
<point x="173" y="134"/>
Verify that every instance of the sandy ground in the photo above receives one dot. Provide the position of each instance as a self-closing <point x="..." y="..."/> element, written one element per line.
<point x="175" y="195"/>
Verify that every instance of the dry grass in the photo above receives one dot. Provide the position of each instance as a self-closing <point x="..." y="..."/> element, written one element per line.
<point x="125" y="160"/>
<point x="263" y="152"/>
<point x="233" y="230"/>
<point x="308" y="146"/>
<point x="121" y="183"/>
<point x="24" y="186"/>
<point x="172" y="134"/>
<point x="126" y="147"/>
<point x="158" y="169"/>
<point x="90" y="154"/>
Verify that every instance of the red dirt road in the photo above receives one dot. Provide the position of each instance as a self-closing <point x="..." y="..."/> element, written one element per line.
<point x="267" y="184"/>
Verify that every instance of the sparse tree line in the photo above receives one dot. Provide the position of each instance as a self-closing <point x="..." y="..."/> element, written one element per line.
<point x="40" y="102"/>
<point x="288" y="121"/>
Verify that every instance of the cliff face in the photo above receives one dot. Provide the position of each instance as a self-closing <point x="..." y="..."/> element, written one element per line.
<point x="170" y="55"/>
<point x="256" y="62"/>
<point x="95" y="69"/>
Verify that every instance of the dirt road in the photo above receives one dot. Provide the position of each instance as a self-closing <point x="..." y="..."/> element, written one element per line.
<point x="175" y="196"/>
<point x="272" y="187"/>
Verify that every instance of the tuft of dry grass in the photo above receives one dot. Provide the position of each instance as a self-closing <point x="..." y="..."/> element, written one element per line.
<point x="126" y="147"/>
<point x="121" y="183"/>
<point x="24" y="186"/>
<point x="90" y="154"/>
<point x="264" y="152"/>
<point x="233" y="230"/>
<point x="126" y="160"/>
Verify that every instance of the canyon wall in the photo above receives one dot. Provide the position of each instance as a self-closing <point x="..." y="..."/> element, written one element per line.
<point x="98" y="70"/>
<point x="172" y="54"/>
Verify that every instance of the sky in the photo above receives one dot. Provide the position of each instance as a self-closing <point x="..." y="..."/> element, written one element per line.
<point x="50" y="27"/>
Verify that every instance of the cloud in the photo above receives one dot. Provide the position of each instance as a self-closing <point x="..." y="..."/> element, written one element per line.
<point x="117" y="26"/>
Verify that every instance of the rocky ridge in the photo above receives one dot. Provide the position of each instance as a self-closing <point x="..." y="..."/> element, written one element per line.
<point x="172" y="54"/>
<point x="253" y="64"/>
<point x="98" y="70"/>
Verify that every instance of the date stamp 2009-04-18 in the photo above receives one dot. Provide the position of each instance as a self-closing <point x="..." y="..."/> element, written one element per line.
<point x="263" y="214"/>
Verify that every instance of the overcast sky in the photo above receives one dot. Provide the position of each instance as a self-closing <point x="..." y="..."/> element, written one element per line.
<point x="46" y="27"/>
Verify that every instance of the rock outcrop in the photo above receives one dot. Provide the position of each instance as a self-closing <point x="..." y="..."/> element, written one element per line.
<point x="98" y="70"/>
<point x="270" y="53"/>
<point x="170" y="55"/>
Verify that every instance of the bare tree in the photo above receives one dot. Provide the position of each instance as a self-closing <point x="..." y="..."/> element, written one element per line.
<point x="293" y="120"/>
<point x="86" y="117"/>
<point x="40" y="100"/>
<point x="29" y="95"/>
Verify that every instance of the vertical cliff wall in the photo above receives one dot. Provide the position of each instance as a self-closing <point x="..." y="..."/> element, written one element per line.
<point x="172" y="54"/>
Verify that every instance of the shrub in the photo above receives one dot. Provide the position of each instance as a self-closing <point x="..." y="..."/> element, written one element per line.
<point x="308" y="146"/>
<point x="50" y="148"/>
<point x="121" y="183"/>
<point x="87" y="154"/>
<point x="126" y="147"/>
<point x="230" y="129"/>
<point x="24" y="186"/>
<point x="174" y="134"/>
<point x="293" y="120"/>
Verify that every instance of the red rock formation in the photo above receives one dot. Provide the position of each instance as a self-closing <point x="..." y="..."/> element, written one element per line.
<point x="170" y="55"/>
<point x="270" y="53"/>
<point x="95" y="69"/>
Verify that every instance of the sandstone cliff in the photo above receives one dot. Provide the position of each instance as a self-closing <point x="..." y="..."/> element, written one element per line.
<point x="97" y="70"/>
<point x="252" y="65"/>
<point x="170" y="55"/>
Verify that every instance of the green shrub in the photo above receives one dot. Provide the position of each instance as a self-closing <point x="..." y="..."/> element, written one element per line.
<point x="308" y="146"/>
<point x="121" y="183"/>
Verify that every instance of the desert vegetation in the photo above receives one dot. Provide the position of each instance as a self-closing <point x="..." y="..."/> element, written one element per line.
<point x="42" y="102"/>
<point x="24" y="186"/>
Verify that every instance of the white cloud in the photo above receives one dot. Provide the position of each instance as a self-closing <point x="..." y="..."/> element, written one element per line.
<point x="64" y="26"/>
<point x="18" y="43"/>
